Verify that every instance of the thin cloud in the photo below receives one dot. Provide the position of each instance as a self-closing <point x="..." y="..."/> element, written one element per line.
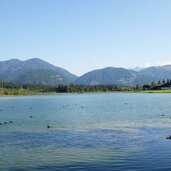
<point x="164" y="63"/>
<point x="161" y="63"/>
<point x="146" y="65"/>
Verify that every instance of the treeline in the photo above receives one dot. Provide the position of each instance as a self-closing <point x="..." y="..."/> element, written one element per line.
<point x="19" y="89"/>
<point x="154" y="85"/>
<point x="77" y="88"/>
<point x="168" y="81"/>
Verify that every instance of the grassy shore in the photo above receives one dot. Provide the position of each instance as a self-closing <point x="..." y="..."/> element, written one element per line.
<point x="17" y="92"/>
<point x="156" y="91"/>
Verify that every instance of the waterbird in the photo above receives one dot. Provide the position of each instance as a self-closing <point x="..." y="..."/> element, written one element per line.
<point x="10" y="122"/>
<point x="0" y="123"/>
<point x="168" y="138"/>
<point x="48" y="126"/>
<point x="5" y="122"/>
<point x="31" y="116"/>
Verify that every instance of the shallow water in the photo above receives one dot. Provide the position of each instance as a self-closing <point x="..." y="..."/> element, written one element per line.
<point x="108" y="131"/>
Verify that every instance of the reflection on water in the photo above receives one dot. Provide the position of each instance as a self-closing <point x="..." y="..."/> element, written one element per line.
<point x="112" y="131"/>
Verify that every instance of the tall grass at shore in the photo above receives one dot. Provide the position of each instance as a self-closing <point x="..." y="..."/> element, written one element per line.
<point x="16" y="92"/>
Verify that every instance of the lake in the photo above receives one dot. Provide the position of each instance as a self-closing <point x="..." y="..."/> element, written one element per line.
<point x="91" y="132"/>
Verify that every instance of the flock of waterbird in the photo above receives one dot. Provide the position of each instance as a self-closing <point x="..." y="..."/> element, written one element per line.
<point x="31" y="116"/>
<point x="4" y="123"/>
<point x="10" y="122"/>
<point x="48" y="126"/>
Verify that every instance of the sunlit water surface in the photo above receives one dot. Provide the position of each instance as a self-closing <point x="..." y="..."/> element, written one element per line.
<point x="110" y="131"/>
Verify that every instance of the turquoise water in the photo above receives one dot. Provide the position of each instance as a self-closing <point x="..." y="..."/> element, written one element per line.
<point x="108" y="131"/>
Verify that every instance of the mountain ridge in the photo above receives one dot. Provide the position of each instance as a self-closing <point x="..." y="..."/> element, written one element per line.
<point x="125" y="76"/>
<point x="37" y="71"/>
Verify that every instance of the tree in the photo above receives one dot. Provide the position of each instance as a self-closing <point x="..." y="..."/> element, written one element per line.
<point x="152" y="84"/>
<point x="137" y="87"/>
<point x="168" y="81"/>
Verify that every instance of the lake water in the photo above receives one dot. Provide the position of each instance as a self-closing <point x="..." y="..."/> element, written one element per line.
<point x="91" y="132"/>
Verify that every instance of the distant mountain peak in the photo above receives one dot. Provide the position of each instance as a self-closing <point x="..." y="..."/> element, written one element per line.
<point x="34" y="59"/>
<point x="168" y="65"/>
<point x="137" y="69"/>
<point x="12" y="60"/>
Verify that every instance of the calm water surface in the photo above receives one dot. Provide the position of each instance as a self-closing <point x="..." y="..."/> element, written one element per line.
<point x="112" y="131"/>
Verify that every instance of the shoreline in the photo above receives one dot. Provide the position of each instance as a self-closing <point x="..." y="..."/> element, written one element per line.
<point x="57" y="93"/>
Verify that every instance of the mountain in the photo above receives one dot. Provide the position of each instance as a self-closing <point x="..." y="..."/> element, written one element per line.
<point x="110" y="75"/>
<point x="34" y="71"/>
<point x="158" y="73"/>
<point x="37" y="71"/>
<point x="121" y="76"/>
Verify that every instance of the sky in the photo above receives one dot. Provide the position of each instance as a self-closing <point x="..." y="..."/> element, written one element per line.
<point x="83" y="35"/>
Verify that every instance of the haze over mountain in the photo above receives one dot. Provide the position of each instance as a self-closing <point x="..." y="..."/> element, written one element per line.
<point x="37" y="71"/>
<point x="137" y="68"/>
<point x="34" y="71"/>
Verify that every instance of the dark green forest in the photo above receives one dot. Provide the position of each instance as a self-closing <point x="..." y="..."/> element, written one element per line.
<point x="9" y="88"/>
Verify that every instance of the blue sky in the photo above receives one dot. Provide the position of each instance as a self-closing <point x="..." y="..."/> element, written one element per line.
<point x="82" y="35"/>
